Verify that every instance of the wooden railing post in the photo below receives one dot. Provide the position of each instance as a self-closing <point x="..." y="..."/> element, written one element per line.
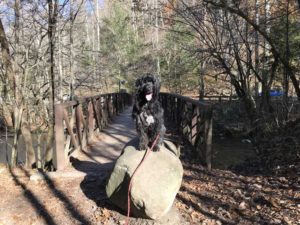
<point x="91" y="120"/>
<point x="100" y="112"/>
<point x="115" y="102"/>
<point x="59" y="156"/>
<point x="194" y="121"/>
<point x="70" y="130"/>
<point x="78" y="112"/>
<point x="96" y="114"/>
<point x="208" y="139"/>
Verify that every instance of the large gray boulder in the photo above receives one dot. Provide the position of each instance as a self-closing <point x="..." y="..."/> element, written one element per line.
<point x="154" y="186"/>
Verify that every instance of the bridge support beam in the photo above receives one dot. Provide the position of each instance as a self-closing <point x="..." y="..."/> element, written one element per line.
<point x="59" y="155"/>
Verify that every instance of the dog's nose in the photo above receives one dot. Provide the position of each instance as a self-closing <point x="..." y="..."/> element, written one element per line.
<point x="148" y="87"/>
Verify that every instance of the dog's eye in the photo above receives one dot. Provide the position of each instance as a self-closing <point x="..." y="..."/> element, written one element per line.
<point x="149" y="80"/>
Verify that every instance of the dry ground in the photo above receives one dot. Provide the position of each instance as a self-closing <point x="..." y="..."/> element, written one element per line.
<point x="217" y="197"/>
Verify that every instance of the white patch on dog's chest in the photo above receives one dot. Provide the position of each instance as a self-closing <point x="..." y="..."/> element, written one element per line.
<point x="148" y="119"/>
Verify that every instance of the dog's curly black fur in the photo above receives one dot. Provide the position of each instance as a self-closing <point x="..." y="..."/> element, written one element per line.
<point x="148" y="113"/>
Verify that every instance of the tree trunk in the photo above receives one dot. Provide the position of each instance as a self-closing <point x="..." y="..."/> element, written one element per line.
<point x="7" y="63"/>
<point x="8" y="66"/>
<point x="48" y="157"/>
<point x="38" y="157"/>
<point x="52" y="7"/>
<point x="201" y="81"/>
<point x="157" y="39"/>
<point x="71" y="50"/>
<point x="97" y="43"/>
<point x="287" y="56"/>
<point x="60" y="66"/>
<point x="265" y="96"/>
<point x="11" y="110"/>
<point x="134" y="19"/>
<point x="17" y="128"/>
<point x="26" y="133"/>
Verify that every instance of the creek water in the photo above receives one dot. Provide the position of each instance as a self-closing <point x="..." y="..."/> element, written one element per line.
<point x="226" y="152"/>
<point x="6" y="148"/>
<point x="230" y="152"/>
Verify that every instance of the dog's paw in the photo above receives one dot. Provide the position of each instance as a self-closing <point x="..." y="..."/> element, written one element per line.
<point x="156" y="148"/>
<point x="142" y="148"/>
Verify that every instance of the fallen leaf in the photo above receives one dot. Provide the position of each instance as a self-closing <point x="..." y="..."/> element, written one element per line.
<point x="242" y="206"/>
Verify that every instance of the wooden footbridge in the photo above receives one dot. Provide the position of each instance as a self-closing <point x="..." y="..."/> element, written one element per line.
<point x="103" y="124"/>
<point x="91" y="133"/>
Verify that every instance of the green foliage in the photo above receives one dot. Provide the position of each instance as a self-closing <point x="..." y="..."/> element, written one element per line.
<point x="121" y="50"/>
<point x="179" y="61"/>
<point x="279" y="33"/>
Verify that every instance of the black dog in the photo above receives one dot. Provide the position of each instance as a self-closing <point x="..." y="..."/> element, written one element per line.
<point x="148" y="112"/>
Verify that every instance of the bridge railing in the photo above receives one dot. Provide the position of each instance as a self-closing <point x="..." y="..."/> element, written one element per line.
<point x="77" y="122"/>
<point x="193" y="119"/>
<point x="215" y="98"/>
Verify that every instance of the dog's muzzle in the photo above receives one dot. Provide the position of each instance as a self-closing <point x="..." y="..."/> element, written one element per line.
<point x="148" y="90"/>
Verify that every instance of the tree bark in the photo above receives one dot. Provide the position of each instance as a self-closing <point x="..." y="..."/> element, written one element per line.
<point x="11" y="110"/>
<point x="157" y="39"/>
<point x="26" y="133"/>
<point x="52" y="17"/>
<point x="287" y="56"/>
<point x="71" y="50"/>
<point x="256" y="48"/>
<point x="201" y="81"/>
<point x="8" y="65"/>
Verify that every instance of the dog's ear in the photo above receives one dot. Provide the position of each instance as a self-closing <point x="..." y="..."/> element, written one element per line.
<point x="156" y="83"/>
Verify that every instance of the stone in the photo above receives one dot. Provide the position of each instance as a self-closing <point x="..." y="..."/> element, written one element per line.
<point x="154" y="185"/>
<point x="36" y="177"/>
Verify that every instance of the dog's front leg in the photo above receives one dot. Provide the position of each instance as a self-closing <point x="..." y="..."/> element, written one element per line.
<point x="144" y="140"/>
<point x="143" y="137"/>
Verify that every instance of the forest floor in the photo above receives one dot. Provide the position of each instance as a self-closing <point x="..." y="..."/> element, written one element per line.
<point x="216" y="197"/>
<point x="77" y="196"/>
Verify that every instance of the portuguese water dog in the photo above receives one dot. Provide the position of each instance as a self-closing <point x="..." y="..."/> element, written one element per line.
<point x="148" y="112"/>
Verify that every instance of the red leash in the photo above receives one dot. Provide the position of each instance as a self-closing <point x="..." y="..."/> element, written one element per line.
<point x="130" y="183"/>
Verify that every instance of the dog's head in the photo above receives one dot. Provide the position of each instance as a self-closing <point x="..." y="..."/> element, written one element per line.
<point x="147" y="88"/>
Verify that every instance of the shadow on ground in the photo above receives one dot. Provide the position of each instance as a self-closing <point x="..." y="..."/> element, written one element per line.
<point x="35" y="198"/>
<point x="93" y="184"/>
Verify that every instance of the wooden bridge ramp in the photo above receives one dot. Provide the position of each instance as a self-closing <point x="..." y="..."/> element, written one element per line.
<point x="106" y="146"/>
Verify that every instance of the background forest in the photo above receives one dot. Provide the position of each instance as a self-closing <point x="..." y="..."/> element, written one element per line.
<point x="57" y="50"/>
